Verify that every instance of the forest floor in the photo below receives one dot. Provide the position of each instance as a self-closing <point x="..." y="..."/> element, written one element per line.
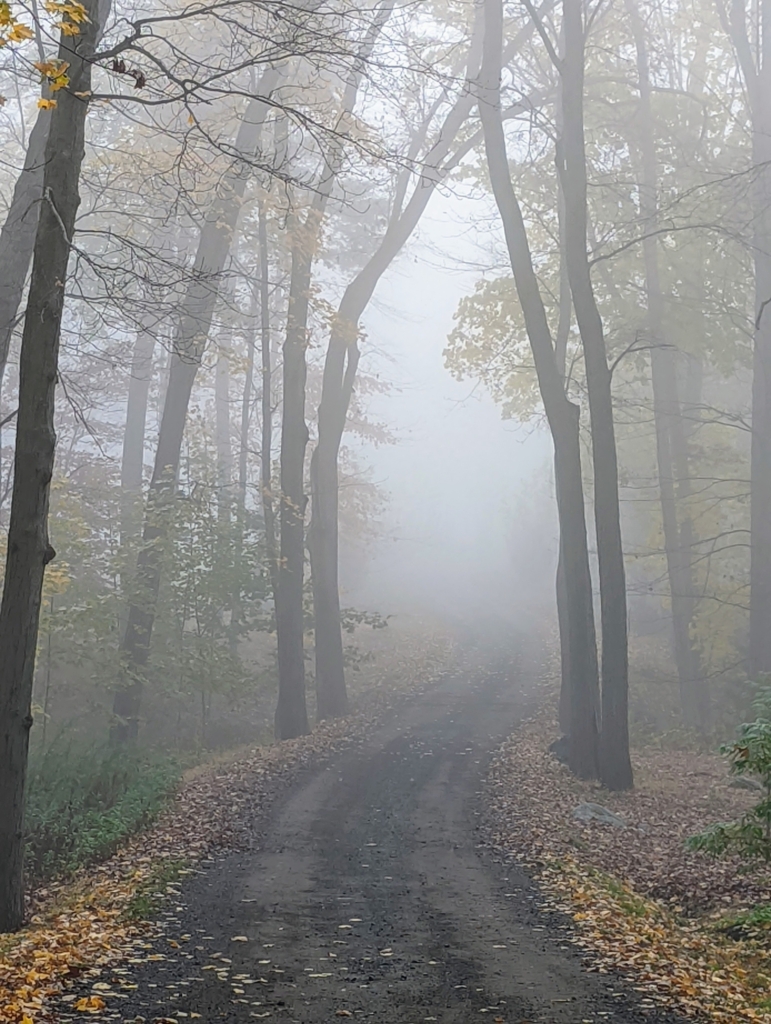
<point x="688" y="931"/>
<point x="364" y="890"/>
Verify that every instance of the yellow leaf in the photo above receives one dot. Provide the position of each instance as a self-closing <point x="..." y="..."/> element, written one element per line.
<point x="90" y="1004"/>
<point x="19" y="33"/>
<point x="46" y="104"/>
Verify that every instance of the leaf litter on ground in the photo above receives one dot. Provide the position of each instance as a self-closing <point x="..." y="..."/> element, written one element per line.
<point x="641" y="904"/>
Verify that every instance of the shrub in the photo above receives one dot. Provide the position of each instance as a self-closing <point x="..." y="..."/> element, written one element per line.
<point x="750" y="836"/>
<point x="82" y="803"/>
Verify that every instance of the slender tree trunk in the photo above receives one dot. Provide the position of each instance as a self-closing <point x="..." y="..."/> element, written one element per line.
<point x="189" y="345"/>
<point x="340" y="369"/>
<point x="222" y="427"/>
<point x="132" y="461"/>
<point x="17" y="236"/>
<point x="29" y="550"/>
<point x="562" y="415"/>
<point x="671" y="442"/>
<point x="760" y="546"/>
<point x="615" y="765"/>
<point x="266" y="439"/>
<point x="291" y="712"/>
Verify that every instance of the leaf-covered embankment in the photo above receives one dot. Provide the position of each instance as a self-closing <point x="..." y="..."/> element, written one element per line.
<point x="680" y="926"/>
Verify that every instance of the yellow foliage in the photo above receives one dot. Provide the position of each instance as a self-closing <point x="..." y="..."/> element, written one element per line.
<point x="11" y="29"/>
<point x="74" y="11"/>
<point x="46" y="104"/>
<point x="19" y="33"/>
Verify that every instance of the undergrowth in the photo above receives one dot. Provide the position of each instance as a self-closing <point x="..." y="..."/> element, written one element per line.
<point x="82" y="803"/>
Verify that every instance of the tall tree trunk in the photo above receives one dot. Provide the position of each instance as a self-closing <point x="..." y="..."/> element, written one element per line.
<point x="562" y="416"/>
<point x="340" y="369"/>
<point x="671" y="442"/>
<point x="615" y="764"/>
<point x="132" y="461"/>
<point x="225" y="539"/>
<point x="17" y="236"/>
<point x="266" y="407"/>
<point x="222" y="426"/>
<point x="291" y="711"/>
<point x="760" y="505"/>
<point x="29" y="550"/>
<point x="187" y="352"/>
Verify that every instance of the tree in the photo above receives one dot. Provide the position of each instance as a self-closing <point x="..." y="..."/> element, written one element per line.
<point x="28" y="548"/>
<point x="671" y="442"/>
<point x="443" y="155"/>
<point x="188" y="348"/>
<point x="561" y="413"/>
<point x="755" y="64"/>
<point x="615" y="765"/>
<point x="291" y="713"/>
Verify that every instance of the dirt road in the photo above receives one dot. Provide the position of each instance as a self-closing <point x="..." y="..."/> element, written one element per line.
<point x="368" y="895"/>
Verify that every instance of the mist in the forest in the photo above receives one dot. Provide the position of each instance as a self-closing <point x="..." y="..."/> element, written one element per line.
<point x="468" y="532"/>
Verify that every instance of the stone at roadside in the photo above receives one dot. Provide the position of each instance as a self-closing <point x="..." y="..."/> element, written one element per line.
<point x="742" y="782"/>
<point x="596" y="812"/>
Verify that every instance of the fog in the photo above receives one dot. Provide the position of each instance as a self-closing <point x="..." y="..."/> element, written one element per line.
<point x="350" y="350"/>
<point x="468" y="532"/>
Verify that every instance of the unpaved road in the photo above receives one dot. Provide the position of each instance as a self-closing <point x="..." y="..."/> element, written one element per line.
<point x="369" y="896"/>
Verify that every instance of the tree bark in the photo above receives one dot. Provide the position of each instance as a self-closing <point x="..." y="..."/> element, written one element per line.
<point x="17" y="236"/>
<point x="671" y="442"/>
<point x="222" y="426"/>
<point x="340" y="369"/>
<point x="132" y="461"/>
<point x="561" y="413"/>
<point x="29" y="550"/>
<point x="291" y="711"/>
<point x="615" y="765"/>
<point x="756" y="70"/>
<point x="266" y="426"/>
<point x="187" y="352"/>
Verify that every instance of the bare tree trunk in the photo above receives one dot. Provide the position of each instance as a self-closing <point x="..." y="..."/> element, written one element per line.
<point x="562" y="415"/>
<point x="29" y="550"/>
<point x="132" y="460"/>
<point x="291" y="712"/>
<point x="189" y="345"/>
<point x="266" y="439"/>
<point x="222" y="426"/>
<point x="615" y="765"/>
<point x="17" y="236"/>
<point x="671" y="442"/>
<point x="340" y="369"/>
<point x="754" y="61"/>
<point x="760" y="547"/>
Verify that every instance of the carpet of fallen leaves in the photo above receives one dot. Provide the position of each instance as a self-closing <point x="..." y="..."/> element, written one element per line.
<point x="640" y="902"/>
<point x="81" y="925"/>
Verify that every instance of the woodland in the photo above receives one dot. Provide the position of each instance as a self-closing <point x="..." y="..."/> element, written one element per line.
<point x="199" y="201"/>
